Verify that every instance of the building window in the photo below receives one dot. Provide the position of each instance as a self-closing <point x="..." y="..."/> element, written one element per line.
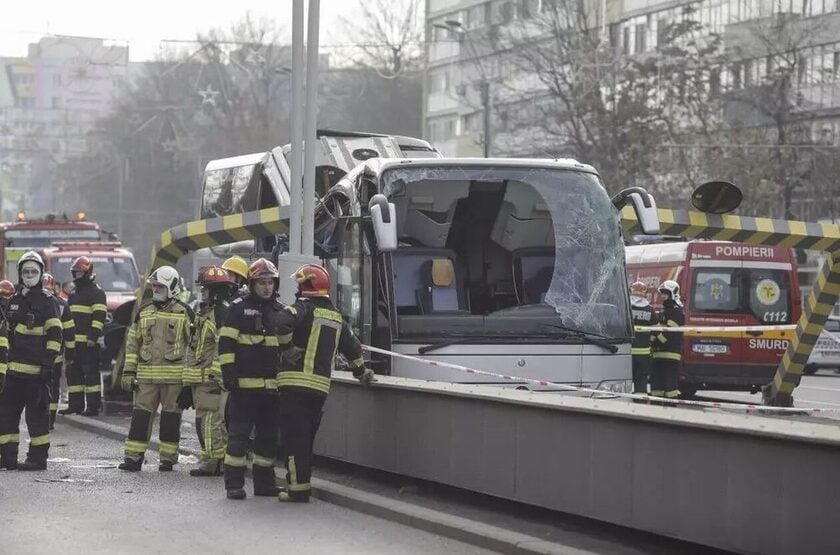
<point x="471" y="123"/>
<point x="641" y="35"/>
<point x="626" y="45"/>
<point x="502" y="12"/>
<point x="476" y="17"/>
<point x="439" y="82"/>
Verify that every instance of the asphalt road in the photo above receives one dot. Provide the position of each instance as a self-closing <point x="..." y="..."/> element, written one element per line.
<point x="82" y="503"/>
<point x="822" y="391"/>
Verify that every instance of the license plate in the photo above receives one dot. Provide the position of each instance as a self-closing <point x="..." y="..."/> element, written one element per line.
<point x="709" y="349"/>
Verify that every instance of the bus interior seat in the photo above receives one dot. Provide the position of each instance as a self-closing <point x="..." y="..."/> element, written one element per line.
<point x="426" y="214"/>
<point x="523" y="220"/>
<point x="439" y="292"/>
<point x="409" y="278"/>
<point x="533" y="269"/>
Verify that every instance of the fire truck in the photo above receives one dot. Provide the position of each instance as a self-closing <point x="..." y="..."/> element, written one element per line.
<point x="37" y="233"/>
<point x="725" y="284"/>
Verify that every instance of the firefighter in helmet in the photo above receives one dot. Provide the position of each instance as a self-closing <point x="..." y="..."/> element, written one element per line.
<point x="35" y="342"/>
<point x="249" y="350"/>
<point x="87" y="305"/>
<point x="643" y="315"/>
<point x="154" y="361"/>
<point x="204" y="374"/>
<point x="68" y="343"/>
<point x="317" y="332"/>
<point x="666" y="346"/>
<point x="238" y="269"/>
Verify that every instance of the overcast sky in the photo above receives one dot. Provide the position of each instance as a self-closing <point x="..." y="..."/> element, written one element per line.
<point x="144" y="23"/>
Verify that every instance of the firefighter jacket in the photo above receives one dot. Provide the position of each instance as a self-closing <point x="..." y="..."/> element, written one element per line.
<point x="68" y="330"/>
<point x="34" y="333"/>
<point x="249" y="347"/>
<point x="668" y="345"/>
<point x="317" y="332"/>
<point x="643" y="315"/>
<point x="87" y="305"/>
<point x="202" y="360"/>
<point x="157" y="342"/>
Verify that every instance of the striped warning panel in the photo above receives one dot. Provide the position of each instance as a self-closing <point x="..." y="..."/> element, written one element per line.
<point x="741" y="229"/>
<point x="179" y="240"/>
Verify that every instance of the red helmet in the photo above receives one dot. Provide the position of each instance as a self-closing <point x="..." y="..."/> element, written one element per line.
<point x="262" y="268"/>
<point x="215" y="275"/>
<point x="82" y="264"/>
<point x="7" y="289"/>
<point x="48" y="282"/>
<point x="313" y="281"/>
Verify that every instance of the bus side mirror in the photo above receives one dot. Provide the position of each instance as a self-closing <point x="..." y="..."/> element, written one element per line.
<point x="643" y="205"/>
<point x="384" y="216"/>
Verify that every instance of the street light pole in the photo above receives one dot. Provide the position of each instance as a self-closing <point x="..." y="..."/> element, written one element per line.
<point x="485" y="105"/>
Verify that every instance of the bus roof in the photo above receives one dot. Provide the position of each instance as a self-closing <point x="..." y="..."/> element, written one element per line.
<point x="382" y="164"/>
<point x="236" y="161"/>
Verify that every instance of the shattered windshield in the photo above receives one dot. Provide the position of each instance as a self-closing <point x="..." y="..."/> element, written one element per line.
<point x="506" y="249"/>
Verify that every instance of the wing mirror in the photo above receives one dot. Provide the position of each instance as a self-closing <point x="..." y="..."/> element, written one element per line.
<point x="384" y="216"/>
<point x="716" y="197"/>
<point x="643" y="204"/>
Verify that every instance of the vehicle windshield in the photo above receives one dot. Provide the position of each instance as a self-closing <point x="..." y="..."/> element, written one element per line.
<point x="506" y="249"/>
<point x="762" y="293"/>
<point x="113" y="274"/>
<point x="224" y="189"/>
<point x="40" y="238"/>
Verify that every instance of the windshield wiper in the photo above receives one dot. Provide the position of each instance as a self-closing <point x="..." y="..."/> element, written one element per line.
<point x="588" y="337"/>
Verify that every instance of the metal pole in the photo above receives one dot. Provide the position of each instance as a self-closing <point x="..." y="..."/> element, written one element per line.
<point x="311" y="145"/>
<point x="485" y="104"/>
<point x="296" y="118"/>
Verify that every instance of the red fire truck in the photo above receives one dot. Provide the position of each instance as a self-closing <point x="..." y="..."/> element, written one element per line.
<point x="725" y="284"/>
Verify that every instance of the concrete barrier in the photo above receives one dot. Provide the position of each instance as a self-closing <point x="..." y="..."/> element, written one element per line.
<point x="732" y="481"/>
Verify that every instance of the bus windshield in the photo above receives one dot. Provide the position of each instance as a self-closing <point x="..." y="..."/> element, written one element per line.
<point x="113" y="273"/>
<point x="508" y="249"/>
<point x="762" y="293"/>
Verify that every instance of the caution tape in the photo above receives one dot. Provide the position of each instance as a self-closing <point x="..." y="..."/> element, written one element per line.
<point x="637" y="396"/>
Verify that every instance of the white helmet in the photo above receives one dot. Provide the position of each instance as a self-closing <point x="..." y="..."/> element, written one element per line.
<point x="672" y="288"/>
<point x="30" y="258"/>
<point x="169" y="278"/>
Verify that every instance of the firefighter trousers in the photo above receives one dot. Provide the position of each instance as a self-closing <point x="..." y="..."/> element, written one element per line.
<point x="55" y="391"/>
<point x="210" y="401"/>
<point x="299" y="418"/>
<point x="33" y="396"/>
<point x="664" y="378"/>
<point x="249" y="409"/>
<point x="641" y="372"/>
<point x="83" y="380"/>
<point x="147" y="399"/>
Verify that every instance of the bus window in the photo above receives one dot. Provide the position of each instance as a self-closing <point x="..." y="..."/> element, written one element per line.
<point x="716" y="291"/>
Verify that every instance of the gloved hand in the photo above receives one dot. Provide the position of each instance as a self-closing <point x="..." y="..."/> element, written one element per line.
<point x="46" y="373"/>
<point x="229" y="383"/>
<point x="127" y="383"/>
<point x="185" y="398"/>
<point x="367" y="377"/>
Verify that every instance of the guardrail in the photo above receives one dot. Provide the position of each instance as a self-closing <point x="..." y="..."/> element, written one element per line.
<point x="725" y="480"/>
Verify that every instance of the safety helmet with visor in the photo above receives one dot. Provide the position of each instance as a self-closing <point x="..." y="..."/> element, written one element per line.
<point x="30" y="269"/>
<point x="165" y="283"/>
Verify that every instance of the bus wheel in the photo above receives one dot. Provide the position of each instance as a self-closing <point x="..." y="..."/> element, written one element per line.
<point x="810" y="370"/>
<point x="688" y="391"/>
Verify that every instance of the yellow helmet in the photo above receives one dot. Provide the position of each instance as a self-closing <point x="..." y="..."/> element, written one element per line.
<point x="236" y="265"/>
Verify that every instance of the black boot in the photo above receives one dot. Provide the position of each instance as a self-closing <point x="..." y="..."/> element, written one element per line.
<point x="132" y="466"/>
<point x="52" y="421"/>
<point x="70" y="410"/>
<point x="166" y="466"/>
<point x="30" y="464"/>
<point x="10" y="464"/>
<point x="237" y="494"/>
<point x="270" y="491"/>
<point x="286" y="497"/>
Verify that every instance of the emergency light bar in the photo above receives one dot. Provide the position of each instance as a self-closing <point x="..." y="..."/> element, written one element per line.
<point x="92" y="245"/>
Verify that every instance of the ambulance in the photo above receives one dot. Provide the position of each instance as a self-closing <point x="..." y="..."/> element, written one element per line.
<point x="725" y="284"/>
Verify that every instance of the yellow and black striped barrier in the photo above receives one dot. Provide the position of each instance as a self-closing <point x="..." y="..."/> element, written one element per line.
<point x="766" y="231"/>
<point x="191" y="236"/>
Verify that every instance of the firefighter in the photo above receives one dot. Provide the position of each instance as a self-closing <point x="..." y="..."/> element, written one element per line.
<point x="203" y="373"/>
<point x="317" y="332"/>
<point x="238" y="268"/>
<point x="154" y="359"/>
<point x="667" y="346"/>
<point x="68" y="342"/>
<point x="35" y="342"/>
<point x="87" y="305"/>
<point x="7" y="291"/>
<point x="643" y="315"/>
<point x="249" y="353"/>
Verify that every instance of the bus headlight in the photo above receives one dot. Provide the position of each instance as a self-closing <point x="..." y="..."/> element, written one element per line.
<point x="616" y="386"/>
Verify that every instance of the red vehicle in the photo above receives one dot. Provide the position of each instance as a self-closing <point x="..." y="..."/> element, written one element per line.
<point x="725" y="284"/>
<point x="34" y="234"/>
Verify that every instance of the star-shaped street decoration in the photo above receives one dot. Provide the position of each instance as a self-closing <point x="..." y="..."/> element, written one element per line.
<point x="209" y="95"/>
